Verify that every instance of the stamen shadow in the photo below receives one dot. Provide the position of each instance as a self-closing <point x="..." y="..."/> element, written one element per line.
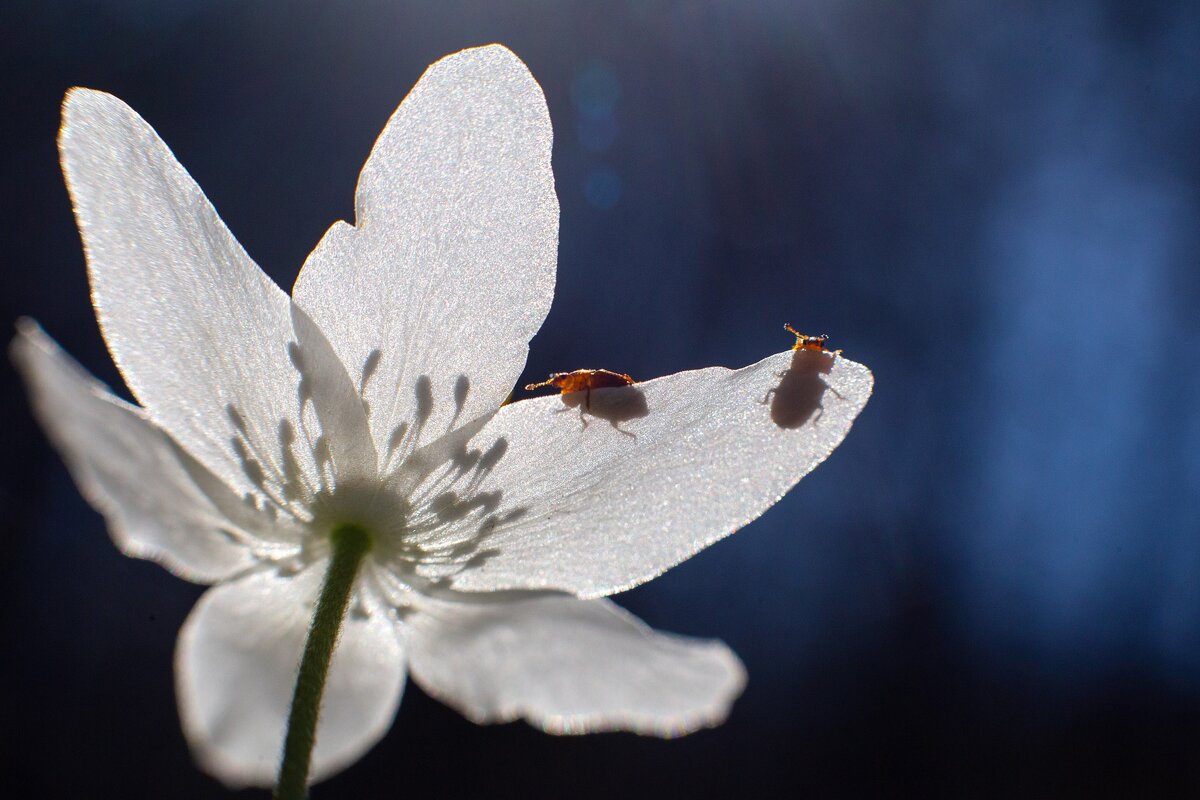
<point x="431" y="503"/>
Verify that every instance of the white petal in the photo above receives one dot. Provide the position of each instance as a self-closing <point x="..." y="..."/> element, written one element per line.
<point x="431" y="299"/>
<point x="570" y="666"/>
<point x="235" y="669"/>
<point x="593" y="501"/>
<point x="203" y="338"/>
<point x="132" y="472"/>
<point x="339" y="409"/>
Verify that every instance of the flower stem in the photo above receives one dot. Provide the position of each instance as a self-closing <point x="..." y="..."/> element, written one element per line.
<point x="348" y="545"/>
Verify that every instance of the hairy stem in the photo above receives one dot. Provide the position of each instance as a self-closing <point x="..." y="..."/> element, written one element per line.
<point x="348" y="545"/>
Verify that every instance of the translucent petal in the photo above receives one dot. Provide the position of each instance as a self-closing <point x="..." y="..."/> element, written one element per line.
<point x="597" y="494"/>
<point x="570" y="666"/>
<point x="133" y="474"/>
<point x="203" y="338"/>
<point x="431" y="299"/>
<point x="235" y="668"/>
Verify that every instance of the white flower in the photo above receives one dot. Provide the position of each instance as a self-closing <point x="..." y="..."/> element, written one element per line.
<point x="373" y="396"/>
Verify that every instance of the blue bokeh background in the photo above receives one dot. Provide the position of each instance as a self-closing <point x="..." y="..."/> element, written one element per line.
<point x="991" y="589"/>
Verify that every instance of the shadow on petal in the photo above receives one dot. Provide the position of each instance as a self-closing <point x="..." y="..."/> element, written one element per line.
<point x="798" y="396"/>
<point x="614" y="405"/>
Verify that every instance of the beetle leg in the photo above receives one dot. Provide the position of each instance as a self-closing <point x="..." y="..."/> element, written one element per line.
<point x="623" y="432"/>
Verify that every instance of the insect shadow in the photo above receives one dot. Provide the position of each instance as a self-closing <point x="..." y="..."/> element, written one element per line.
<point x="614" y="405"/>
<point x="796" y="399"/>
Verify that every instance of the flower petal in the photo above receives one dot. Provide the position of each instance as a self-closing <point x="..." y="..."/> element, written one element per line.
<point x="431" y="299"/>
<point x="203" y="338"/>
<point x="340" y="411"/>
<point x="235" y="669"/>
<point x="570" y="666"/>
<point x="131" y="471"/>
<point x="595" y="496"/>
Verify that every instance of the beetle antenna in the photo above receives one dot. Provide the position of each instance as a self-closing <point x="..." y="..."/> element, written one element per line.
<point x="529" y="387"/>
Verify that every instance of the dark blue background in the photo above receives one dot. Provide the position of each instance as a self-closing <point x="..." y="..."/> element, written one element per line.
<point x="990" y="590"/>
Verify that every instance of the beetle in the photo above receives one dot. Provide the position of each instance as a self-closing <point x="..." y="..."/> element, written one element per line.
<point x="813" y="343"/>
<point x="584" y="380"/>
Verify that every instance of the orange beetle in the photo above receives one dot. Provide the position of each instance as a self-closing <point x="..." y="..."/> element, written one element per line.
<point x="814" y="343"/>
<point x="583" y="380"/>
